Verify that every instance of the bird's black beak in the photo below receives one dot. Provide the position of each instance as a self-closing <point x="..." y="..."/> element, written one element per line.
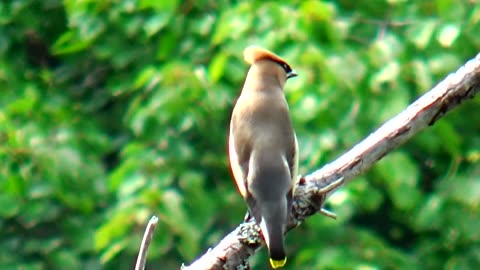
<point x="291" y="74"/>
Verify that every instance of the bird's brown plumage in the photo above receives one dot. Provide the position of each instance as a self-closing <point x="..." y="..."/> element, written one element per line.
<point x="263" y="147"/>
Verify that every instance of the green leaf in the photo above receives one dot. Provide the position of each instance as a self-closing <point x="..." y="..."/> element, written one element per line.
<point x="217" y="67"/>
<point x="400" y="175"/>
<point x="318" y="10"/>
<point x="430" y="213"/>
<point x="449" y="138"/>
<point x="422" y="75"/>
<point x="68" y="43"/>
<point x="38" y="211"/>
<point x="156" y="23"/>
<point x="388" y="74"/>
<point x="233" y="23"/>
<point x="11" y="205"/>
<point x="160" y="6"/>
<point x="64" y="258"/>
<point x="148" y="74"/>
<point x="420" y="34"/>
<point x="448" y="34"/>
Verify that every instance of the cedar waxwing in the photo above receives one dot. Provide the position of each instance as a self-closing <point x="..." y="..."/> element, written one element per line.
<point x="263" y="147"/>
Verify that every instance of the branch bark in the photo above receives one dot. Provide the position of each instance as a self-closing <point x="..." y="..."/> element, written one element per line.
<point x="313" y="190"/>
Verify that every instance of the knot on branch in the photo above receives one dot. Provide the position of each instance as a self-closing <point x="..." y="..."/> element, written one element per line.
<point x="310" y="196"/>
<point x="249" y="233"/>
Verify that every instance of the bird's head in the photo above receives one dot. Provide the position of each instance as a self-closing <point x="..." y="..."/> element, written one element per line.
<point x="265" y="62"/>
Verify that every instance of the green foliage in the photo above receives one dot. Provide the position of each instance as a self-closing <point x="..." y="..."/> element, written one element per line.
<point x="113" y="111"/>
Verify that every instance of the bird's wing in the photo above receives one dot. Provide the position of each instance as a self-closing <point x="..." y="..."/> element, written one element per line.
<point x="239" y="153"/>
<point x="293" y="160"/>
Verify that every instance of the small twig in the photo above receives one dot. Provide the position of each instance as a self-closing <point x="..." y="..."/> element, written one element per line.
<point x="147" y="237"/>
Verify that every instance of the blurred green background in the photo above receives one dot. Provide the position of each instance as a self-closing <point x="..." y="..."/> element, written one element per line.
<point x="113" y="111"/>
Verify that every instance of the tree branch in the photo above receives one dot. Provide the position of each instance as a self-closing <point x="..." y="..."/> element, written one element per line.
<point x="147" y="237"/>
<point x="313" y="190"/>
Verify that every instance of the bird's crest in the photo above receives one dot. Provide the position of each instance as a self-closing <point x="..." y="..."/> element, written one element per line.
<point x="254" y="53"/>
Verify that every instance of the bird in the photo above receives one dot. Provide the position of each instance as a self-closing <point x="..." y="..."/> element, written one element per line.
<point x="263" y="148"/>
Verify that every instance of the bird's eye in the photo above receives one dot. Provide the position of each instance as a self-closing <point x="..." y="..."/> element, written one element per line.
<point x="286" y="67"/>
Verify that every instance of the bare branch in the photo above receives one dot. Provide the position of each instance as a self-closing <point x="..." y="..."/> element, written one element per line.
<point x="313" y="190"/>
<point x="147" y="237"/>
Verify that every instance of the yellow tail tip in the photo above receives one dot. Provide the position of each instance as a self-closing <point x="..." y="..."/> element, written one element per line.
<point x="277" y="264"/>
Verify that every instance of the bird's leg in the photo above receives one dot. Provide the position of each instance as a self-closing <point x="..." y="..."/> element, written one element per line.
<point x="248" y="217"/>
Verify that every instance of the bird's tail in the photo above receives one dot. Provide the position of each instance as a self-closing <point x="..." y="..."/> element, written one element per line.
<point x="278" y="263"/>
<point x="272" y="224"/>
<point x="276" y="247"/>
